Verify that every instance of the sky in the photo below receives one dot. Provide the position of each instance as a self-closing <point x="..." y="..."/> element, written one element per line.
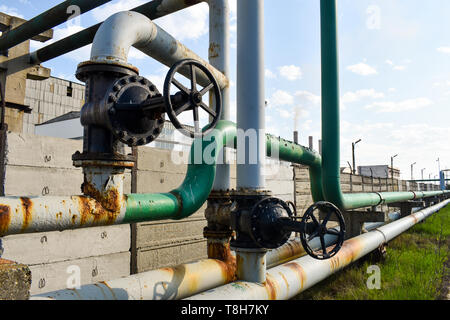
<point x="394" y="71"/>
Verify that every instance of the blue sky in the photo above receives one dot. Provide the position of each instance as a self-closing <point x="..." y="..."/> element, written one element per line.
<point x="394" y="71"/>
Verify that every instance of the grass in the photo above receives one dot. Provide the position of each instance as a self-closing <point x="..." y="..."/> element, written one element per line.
<point x="416" y="267"/>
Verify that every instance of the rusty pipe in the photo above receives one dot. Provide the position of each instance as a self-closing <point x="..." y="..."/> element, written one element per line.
<point x="123" y="30"/>
<point x="288" y="280"/>
<point x="177" y="282"/>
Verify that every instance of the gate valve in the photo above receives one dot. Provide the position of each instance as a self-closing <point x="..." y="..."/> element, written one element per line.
<point x="271" y="223"/>
<point x="136" y="109"/>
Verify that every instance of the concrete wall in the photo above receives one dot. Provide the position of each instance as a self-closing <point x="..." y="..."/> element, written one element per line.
<point x="49" y="99"/>
<point x="352" y="184"/>
<point x="42" y="166"/>
<point x="165" y="243"/>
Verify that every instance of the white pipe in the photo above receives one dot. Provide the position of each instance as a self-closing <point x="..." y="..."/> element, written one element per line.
<point x="250" y="95"/>
<point x="219" y="57"/>
<point x="123" y="30"/>
<point x="288" y="280"/>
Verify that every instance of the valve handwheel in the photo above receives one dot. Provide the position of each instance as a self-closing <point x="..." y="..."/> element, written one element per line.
<point x="193" y="98"/>
<point x="312" y="228"/>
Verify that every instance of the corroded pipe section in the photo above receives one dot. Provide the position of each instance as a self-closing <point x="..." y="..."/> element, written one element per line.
<point x="218" y="273"/>
<point x="153" y="10"/>
<point x="41" y="214"/>
<point x="163" y="284"/>
<point x="123" y="30"/>
<point x="288" y="280"/>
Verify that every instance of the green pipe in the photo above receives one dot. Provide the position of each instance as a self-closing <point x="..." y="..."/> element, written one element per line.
<point x="45" y="21"/>
<point x="295" y="153"/>
<point x="330" y="125"/>
<point x="197" y="185"/>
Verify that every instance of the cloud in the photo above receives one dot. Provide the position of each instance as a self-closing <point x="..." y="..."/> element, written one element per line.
<point x="362" y="69"/>
<point x="79" y="55"/>
<point x="290" y="72"/>
<point x="269" y="74"/>
<point x="281" y="98"/>
<point x="306" y="98"/>
<point x="444" y="50"/>
<point x="194" y="20"/>
<point x="398" y="67"/>
<point x="350" y="97"/>
<point x="406" y="105"/>
<point x="11" y="11"/>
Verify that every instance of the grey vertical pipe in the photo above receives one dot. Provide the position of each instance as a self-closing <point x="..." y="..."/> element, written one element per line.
<point x="250" y="93"/>
<point x="219" y="57"/>
<point x="311" y="142"/>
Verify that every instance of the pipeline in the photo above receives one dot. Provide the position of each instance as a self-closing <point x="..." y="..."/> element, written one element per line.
<point x="175" y="283"/>
<point x="122" y="30"/>
<point x="152" y="10"/>
<point x="45" y="21"/>
<point x="42" y="214"/>
<point x="288" y="280"/>
<point x="283" y="281"/>
<point x="330" y="125"/>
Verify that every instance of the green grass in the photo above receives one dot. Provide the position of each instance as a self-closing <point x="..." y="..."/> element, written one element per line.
<point x="416" y="267"/>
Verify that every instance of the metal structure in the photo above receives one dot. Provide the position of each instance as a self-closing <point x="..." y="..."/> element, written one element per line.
<point x="123" y="108"/>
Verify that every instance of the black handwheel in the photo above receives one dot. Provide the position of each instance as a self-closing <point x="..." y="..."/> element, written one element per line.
<point x="312" y="228"/>
<point x="194" y="98"/>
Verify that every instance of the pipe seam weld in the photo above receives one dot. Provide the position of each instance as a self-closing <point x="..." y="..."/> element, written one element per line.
<point x="382" y="201"/>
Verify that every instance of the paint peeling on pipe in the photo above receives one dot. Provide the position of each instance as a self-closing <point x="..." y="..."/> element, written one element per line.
<point x="123" y="30"/>
<point x="288" y="280"/>
<point x="153" y="10"/>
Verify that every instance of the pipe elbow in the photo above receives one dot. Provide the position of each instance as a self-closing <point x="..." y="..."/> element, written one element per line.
<point x="118" y="34"/>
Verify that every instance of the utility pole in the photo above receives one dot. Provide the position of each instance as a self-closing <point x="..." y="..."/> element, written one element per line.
<point x="422" y="172"/>
<point x="412" y="168"/>
<point x="353" y="155"/>
<point x="392" y="169"/>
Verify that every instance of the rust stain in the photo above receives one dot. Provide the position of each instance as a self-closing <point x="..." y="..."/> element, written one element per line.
<point x="298" y="271"/>
<point x="348" y="253"/>
<point x="27" y="210"/>
<point x="271" y="288"/>
<point x="74" y="218"/>
<point x="285" y="280"/>
<point x="5" y="218"/>
<point x="59" y="215"/>
<point x="109" y="199"/>
<point x="213" y="50"/>
<point x="110" y="289"/>
<point x="94" y="213"/>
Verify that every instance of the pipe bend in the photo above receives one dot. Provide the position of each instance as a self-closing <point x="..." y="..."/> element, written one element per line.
<point x="118" y="34"/>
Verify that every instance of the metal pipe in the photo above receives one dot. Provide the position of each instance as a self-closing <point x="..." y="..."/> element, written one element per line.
<point x="45" y="21"/>
<point x="153" y="10"/>
<point x="219" y="57"/>
<point x="177" y="282"/>
<point x="250" y="95"/>
<point x="288" y="280"/>
<point x="40" y="214"/>
<point x="122" y="30"/>
<point x="330" y="124"/>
